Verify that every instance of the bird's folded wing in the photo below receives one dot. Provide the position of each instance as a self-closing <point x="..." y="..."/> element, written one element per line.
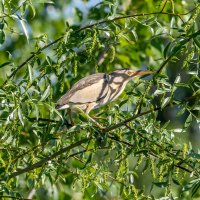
<point x="89" y="89"/>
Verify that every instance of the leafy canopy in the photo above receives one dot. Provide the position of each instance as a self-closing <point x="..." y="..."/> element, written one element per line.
<point x="149" y="148"/>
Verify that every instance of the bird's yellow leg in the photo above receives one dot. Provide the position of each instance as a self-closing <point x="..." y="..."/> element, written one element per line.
<point x="90" y="118"/>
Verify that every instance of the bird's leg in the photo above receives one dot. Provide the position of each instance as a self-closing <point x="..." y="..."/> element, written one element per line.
<point x="90" y="118"/>
<point x="69" y="112"/>
<point x="94" y="121"/>
<point x="90" y="106"/>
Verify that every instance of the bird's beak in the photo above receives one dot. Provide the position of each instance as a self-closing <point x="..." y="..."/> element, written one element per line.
<point x="140" y="73"/>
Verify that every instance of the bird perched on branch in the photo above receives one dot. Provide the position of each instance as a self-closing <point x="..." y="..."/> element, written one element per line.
<point x="97" y="89"/>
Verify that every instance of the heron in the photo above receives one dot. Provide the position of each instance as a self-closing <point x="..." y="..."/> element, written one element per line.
<point x="98" y="89"/>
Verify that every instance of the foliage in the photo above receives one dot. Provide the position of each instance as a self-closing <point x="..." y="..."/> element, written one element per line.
<point x="149" y="148"/>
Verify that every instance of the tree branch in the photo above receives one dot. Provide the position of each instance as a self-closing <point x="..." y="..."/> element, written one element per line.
<point x="12" y="197"/>
<point x="123" y="123"/>
<point x="164" y="5"/>
<point x="51" y="157"/>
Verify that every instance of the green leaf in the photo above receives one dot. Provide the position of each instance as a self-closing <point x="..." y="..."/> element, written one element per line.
<point x="2" y="37"/>
<point x="88" y="160"/>
<point x="177" y="80"/>
<point x="123" y="102"/>
<point x="197" y="42"/>
<point x="20" y="115"/>
<point x="161" y="184"/>
<point x="46" y="93"/>
<point x="30" y="72"/>
<point x="194" y="155"/>
<point x="166" y="50"/>
<point x="175" y="181"/>
<point x="195" y="188"/>
<point x="32" y="8"/>
<point x="4" y="64"/>
<point x="23" y="24"/>
<point x="54" y="110"/>
<point x="82" y="117"/>
<point x="195" y="184"/>
<point x="76" y="128"/>
<point x="36" y="110"/>
<point x="188" y="121"/>
<point x="157" y="92"/>
<point x="22" y="21"/>
<point x="165" y="102"/>
<point x="134" y="34"/>
<point x="2" y="24"/>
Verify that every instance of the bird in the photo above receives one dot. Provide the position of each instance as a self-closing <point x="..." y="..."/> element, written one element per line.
<point x="98" y="89"/>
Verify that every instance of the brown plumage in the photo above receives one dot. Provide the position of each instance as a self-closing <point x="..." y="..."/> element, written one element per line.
<point x="97" y="89"/>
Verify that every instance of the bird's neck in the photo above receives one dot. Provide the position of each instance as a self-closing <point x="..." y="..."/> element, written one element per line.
<point x="117" y="87"/>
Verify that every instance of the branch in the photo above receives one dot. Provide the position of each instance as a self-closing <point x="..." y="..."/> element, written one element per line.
<point x="164" y="5"/>
<point x="124" y="123"/>
<point x="66" y="149"/>
<point x="11" y="197"/>
<point x="85" y="27"/>
<point x="35" y="119"/>
<point x="51" y="157"/>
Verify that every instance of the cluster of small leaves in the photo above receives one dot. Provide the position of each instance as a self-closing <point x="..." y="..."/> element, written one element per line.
<point x="140" y="153"/>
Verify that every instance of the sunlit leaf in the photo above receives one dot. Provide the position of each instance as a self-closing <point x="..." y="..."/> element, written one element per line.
<point x="30" y="72"/>
<point x="54" y="110"/>
<point x="23" y="24"/>
<point x="165" y="102"/>
<point x="46" y="93"/>
<point x="20" y="115"/>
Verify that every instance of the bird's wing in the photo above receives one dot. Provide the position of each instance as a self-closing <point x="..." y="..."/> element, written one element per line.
<point x="89" y="89"/>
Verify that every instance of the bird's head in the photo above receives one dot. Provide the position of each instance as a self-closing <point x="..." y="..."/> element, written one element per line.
<point x="129" y="73"/>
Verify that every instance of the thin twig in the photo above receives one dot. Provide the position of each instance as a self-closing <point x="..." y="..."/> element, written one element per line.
<point x="42" y="119"/>
<point x="11" y="197"/>
<point x="123" y="123"/>
<point x="164" y="5"/>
